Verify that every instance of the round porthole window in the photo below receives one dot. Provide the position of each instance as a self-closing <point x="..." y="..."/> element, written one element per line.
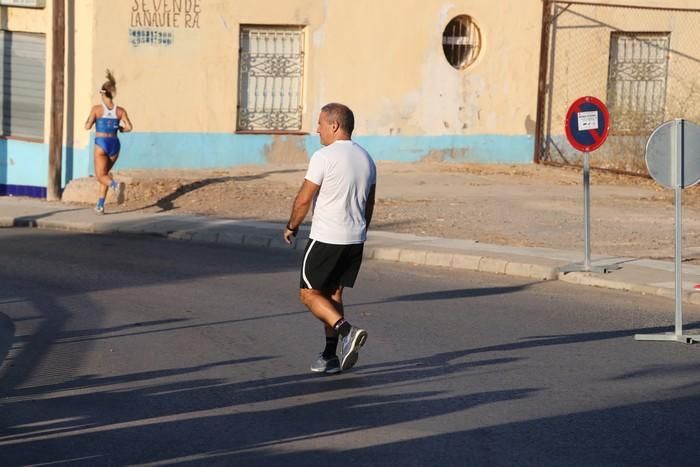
<point x="461" y="41"/>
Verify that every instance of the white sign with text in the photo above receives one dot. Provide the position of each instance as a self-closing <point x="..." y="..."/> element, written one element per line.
<point x="587" y="120"/>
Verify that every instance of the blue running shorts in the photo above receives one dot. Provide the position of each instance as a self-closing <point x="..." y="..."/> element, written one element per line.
<point x="110" y="145"/>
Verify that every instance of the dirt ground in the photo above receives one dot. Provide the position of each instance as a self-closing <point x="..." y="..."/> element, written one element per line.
<point x="518" y="205"/>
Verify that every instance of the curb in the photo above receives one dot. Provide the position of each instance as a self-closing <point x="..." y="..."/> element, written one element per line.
<point x="477" y="263"/>
<point x="583" y="278"/>
<point x="260" y="237"/>
<point x="462" y="261"/>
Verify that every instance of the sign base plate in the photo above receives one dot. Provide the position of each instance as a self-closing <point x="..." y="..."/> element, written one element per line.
<point x="579" y="267"/>
<point x="670" y="337"/>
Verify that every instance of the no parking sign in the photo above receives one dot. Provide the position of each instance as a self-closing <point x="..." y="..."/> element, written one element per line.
<point x="587" y="124"/>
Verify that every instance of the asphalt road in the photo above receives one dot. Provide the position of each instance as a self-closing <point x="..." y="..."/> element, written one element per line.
<point x="141" y="351"/>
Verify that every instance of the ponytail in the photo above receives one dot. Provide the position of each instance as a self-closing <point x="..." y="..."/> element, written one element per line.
<point x="109" y="87"/>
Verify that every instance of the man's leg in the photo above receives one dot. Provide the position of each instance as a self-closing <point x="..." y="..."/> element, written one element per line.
<point x="332" y="264"/>
<point x="321" y="306"/>
<point x="351" y="338"/>
<point x="337" y="300"/>
<point x="331" y="335"/>
<point x="325" y="308"/>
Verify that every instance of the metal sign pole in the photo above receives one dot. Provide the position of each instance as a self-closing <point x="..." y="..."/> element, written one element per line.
<point x="586" y="212"/>
<point x="673" y="138"/>
<point x="677" y="157"/>
<point x="587" y="126"/>
<point x="587" y="266"/>
<point x="679" y="264"/>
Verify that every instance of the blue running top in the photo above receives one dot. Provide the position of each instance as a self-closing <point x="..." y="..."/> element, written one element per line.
<point x="108" y="122"/>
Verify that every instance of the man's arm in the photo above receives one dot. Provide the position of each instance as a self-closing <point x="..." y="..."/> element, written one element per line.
<point x="369" y="209"/>
<point x="301" y="207"/>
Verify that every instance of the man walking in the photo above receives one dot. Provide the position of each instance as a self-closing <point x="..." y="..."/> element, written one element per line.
<point x="340" y="183"/>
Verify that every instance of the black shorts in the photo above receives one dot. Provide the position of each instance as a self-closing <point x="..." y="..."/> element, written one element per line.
<point x="326" y="266"/>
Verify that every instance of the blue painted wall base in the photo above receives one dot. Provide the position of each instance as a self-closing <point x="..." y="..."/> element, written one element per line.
<point x="23" y="190"/>
<point x="24" y="164"/>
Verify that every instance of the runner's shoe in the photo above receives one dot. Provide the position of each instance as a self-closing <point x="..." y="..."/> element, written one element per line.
<point x="350" y="346"/>
<point x="326" y="365"/>
<point x="99" y="210"/>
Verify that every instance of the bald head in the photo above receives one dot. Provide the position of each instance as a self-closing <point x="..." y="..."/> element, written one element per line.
<point x="340" y="114"/>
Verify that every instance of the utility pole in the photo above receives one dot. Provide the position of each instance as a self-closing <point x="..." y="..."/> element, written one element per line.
<point x="542" y="79"/>
<point x="53" y="189"/>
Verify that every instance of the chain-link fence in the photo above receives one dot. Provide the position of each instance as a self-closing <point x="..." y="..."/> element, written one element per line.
<point x="642" y="61"/>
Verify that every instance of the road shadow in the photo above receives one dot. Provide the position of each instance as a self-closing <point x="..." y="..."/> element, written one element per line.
<point x="454" y="294"/>
<point x="166" y="203"/>
<point x="626" y="435"/>
<point x="31" y="220"/>
<point x="568" y="339"/>
<point x="216" y="413"/>
<point x="7" y="332"/>
<point x="206" y="421"/>
<point x="210" y="422"/>
<point x="46" y="280"/>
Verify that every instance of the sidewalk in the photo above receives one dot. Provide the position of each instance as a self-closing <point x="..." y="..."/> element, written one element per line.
<point x="652" y="277"/>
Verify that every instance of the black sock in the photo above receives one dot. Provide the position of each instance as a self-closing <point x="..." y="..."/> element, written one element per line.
<point x="331" y="346"/>
<point x="342" y="327"/>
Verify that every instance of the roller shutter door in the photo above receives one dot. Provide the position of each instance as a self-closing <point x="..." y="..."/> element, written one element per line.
<point x="23" y="83"/>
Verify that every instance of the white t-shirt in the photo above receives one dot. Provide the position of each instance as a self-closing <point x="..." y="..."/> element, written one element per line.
<point x="345" y="172"/>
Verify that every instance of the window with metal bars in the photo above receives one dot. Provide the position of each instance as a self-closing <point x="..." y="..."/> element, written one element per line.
<point x="270" y="78"/>
<point x="461" y="41"/>
<point x="637" y="76"/>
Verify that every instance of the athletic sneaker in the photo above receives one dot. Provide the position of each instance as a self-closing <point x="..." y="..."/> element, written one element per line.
<point x="326" y="365"/>
<point x="350" y="346"/>
<point x="99" y="210"/>
<point x="119" y="191"/>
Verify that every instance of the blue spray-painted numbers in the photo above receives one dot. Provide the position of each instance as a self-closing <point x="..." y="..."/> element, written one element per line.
<point x="153" y="37"/>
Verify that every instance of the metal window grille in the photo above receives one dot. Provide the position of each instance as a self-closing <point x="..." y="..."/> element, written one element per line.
<point x="271" y="72"/>
<point x="461" y="42"/>
<point x="642" y="60"/>
<point x="22" y="84"/>
<point x="637" y="78"/>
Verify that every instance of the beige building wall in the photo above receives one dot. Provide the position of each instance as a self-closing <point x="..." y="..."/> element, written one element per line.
<point x="78" y="58"/>
<point x="384" y="58"/>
